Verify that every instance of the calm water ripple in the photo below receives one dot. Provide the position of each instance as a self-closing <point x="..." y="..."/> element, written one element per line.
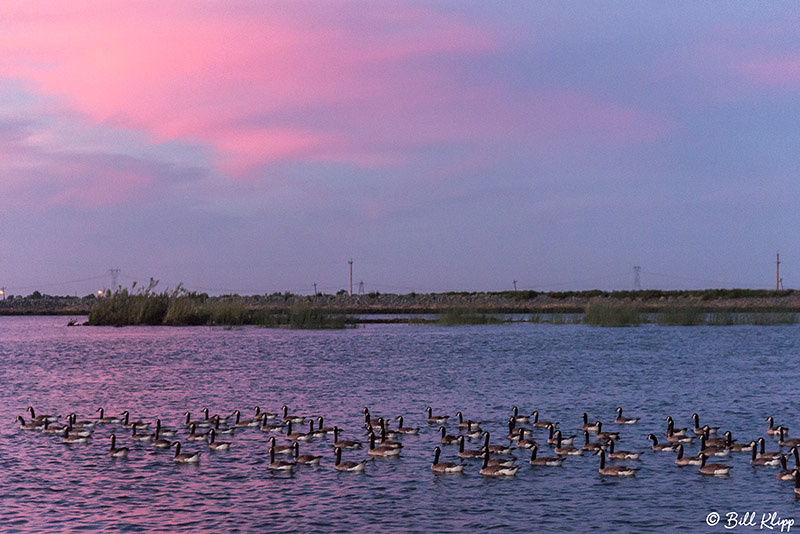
<point x="733" y="376"/>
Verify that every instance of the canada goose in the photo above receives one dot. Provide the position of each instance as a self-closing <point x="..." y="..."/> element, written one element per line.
<point x="624" y="420"/>
<point x="209" y="420"/>
<point x="675" y="438"/>
<point x="605" y="435"/>
<point x="47" y="428"/>
<point x="793" y="450"/>
<point x="405" y="429"/>
<point x="542" y="423"/>
<point x="304" y="459"/>
<point x="117" y="452"/>
<point x="106" y="420"/>
<point x="698" y="430"/>
<point x="519" y="418"/>
<point x="671" y="430"/>
<point x="80" y="424"/>
<point x="495" y="449"/>
<point x="278" y="465"/>
<point x="264" y="415"/>
<point x="490" y="470"/>
<point x="714" y="442"/>
<point x="712" y="451"/>
<point x="467" y="453"/>
<point x="717" y="470"/>
<point x="787" y="442"/>
<point x="797" y="482"/>
<point x="737" y="447"/>
<point x="613" y="470"/>
<point x="217" y="445"/>
<point x="388" y="442"/>
<point x="587" y="427"/>
<point x="473" y="433"/>
<point x="524" y="443"/>
<point x="544" y="461"/>
<point x="444" y="467"/>
<point x="785" y="473"/>
<point x="70" y="437"/>
<point x="370" y="421"/>
<point x="682" y="460"/>
<point x="462" y="424"/>
<point x="436" y="419"/>
<point x="621" y="455"/>
<point x="514" y="433"/>
<point x="140" y="437"/>
<point x="344" y="444"/>
<point x="661" y="447"/>
<point x="184" y="457"/>
<point x="553" y="440"/>
<point x="296" y="436"/>
<point x="328" y="429"/>
<point x="563" y="449"/>
<point x="279" y="449"/>
<point x="381" y="451"/>
<point x="270" y="427"/>
<point x="764" y="460"/>
<point x="28" y="426"/>
<point x="196" y="436"/>
<point x="352" y="467"/>
<point x="446" y="438"/>
<point x="243" y="423"/>
<point x="299" y="419"/>
<point x="158" y="441"/>
<point x="41" y="418"/>
<point x="138" y="425"/>
<point x="763" y="454"/>
<point x="385" y="432"/>
<point x="164" y="431"/>
<point x="587" y="446"/>
<point x="774" y="430"/>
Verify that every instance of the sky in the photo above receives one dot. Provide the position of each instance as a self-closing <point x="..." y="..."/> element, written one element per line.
<point x="251" y="147"/>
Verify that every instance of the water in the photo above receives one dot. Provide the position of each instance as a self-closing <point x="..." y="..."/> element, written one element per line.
<point x="732" y="376"/>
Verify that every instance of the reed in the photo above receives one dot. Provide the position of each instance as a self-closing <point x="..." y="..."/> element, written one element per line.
<point x="680" y="316"/>
<point x="605" y="313"/>
<point x="466" y="316"/>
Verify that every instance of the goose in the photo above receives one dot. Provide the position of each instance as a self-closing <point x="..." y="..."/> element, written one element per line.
<point x="444" y="467"/>
<point x="446" y="438"/>
<point x="158" y="442"/>
<point x="270" y="427"/>
<point x="217" y="445"/>
<point x="621" y="455"/>
<point x="544" y="461"/>
<point x="304" y="459"/>
<point x="785" y="473"/>
<point x="787" y="442"/>
<point x="41" y="418"/>
<point x="106" y="420"/>
<point x="717" y="470"/>
<point x="117" y="452"/>
<point x="765" y="460"/>
<point x="164" y="431"/>
<point x="296" y="436"/>
<point x="613" y="470"/>
<point x="279" y="465"/>
<point x="490" y="470"/>
<point x="264" y="415"/>
<point x="590" y="446"/>
<point x="387" y="442"/>
<point x="299" y="419"/>
<point x="243" y="423"/>
<point x="405" y="429"/>
<point x="524" y="443"/>
<point x="793" y="450"/>
<point x="763" y="454"/>
<point x="47" y="428"/>
<point x="370" y="421"/>
<point x="671" y="430"/>
<point x="587" y="427"/>
<point x="77" y="432"/>
<point x="740" y="447"/>
<point x="139" y="424"/>
<point x="70" y="438"/>
<point x="209" y="420"/>
<point x="514" y="433"/>
<point x="519" y="418"/>
<point x="140" y="437"/>
<point x="344" y="444"/>
<point x="184" y="457"/>
<point x="675" y="438"/>
<point x="467" y="453"/>
<point x="436" y="419"/>
<point x="381" y="451"/>
<point x="712" y="451"/>
<point x="797" y="482"/>
<point x="352" y="467"/>
<point x="661" y="447"/>
<point x="279" y="449"/>
<point x="385" y="432"/>
<point x="714" y="442"/>
<point x="624" y="420"/>
<point x="698" y="430"/>
<point x="553" y="440"/>
<point x="473" y="434"/>
<point x="27" y="426"/>
<point x="73" y="417"/>
<point x="605" y="435"/>
<point x="774" y="430"/>
<point x="682" y="460"/>
<point x="329" y="429"/>
<point x="462" y="424"/>
<point x="562" y="449"/>
<point x="495" y="449"/>
<point x="542" y="423"/>
<point x="194" y="435"/>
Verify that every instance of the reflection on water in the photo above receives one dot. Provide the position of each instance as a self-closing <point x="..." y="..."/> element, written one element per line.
<point x="733" y="376"/>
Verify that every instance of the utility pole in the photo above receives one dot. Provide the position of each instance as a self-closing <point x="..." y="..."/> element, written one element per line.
<point x="114" y="275"/>
<point x="637" y="283"/>
<point x="515" y="285"/>
<point x="778" y="272"/>
<point x="315" y="289"/>
<point x="351" y="276"/>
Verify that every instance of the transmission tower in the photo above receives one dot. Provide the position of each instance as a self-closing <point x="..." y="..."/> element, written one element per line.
<point x="114" y="276"/>
<point x="515" y="285"/>
<point x="637" y="283"/>
<point x="778" y="273"/>
<point x="361" y="287"/>
<point x="351" y="276"/>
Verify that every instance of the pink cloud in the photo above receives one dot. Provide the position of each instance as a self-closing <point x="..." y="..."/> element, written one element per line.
<point x="780" y="72"/>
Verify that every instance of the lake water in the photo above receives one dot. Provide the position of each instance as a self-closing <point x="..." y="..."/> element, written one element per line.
<point x="734" y="377"/>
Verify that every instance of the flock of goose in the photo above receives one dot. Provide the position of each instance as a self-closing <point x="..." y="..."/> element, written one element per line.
<point x="382" y="441"/>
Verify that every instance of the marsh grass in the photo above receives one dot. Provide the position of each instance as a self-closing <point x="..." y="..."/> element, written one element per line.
<point x="466" y="316"/>
<point x="680" y="316"/>
<point x="605" y="313"/>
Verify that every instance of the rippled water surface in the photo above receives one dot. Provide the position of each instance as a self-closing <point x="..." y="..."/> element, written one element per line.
<point x="733" y="376"/>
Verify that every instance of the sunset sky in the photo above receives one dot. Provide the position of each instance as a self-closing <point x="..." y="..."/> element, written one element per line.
<point x="254" y="147"/>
